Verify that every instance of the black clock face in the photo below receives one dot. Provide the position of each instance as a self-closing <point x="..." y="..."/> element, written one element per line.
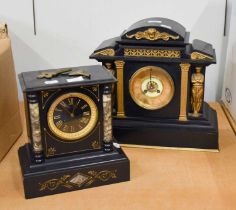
<point x="72" y="116"/>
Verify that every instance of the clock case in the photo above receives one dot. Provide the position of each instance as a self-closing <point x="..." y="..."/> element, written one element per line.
<point x="174" y="124"/>
<point x="60" y="165"/>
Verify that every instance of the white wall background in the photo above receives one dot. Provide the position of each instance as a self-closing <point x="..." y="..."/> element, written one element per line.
<point x="69" y="30"/>
<point x="230" y="74"/>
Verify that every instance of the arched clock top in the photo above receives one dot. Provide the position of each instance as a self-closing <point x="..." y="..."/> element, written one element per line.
<point x="155" y="29"/>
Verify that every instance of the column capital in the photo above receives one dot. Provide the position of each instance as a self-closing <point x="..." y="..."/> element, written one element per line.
<point x="119" y="63"/>
<point x="185" y="66"/>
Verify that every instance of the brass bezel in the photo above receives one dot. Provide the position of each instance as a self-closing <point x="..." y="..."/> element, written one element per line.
<point x="168" y="79"/>
<point x="77" y="135"/>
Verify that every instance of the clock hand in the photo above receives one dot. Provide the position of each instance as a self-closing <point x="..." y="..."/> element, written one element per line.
<point x="66" y="110"/>
<point x="150" y="75"/>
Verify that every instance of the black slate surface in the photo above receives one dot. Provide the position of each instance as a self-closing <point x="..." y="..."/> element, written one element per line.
<point x="30" y="82"/>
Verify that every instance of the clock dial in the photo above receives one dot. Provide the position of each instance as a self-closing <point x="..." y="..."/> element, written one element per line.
<point x="151" y="87"/>
<point x="72" y="116"/>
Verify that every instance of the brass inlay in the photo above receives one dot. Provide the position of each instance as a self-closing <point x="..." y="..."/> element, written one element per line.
<point x="120" y="85"/>
<point x="197" y="80"/>
<point x="152" y="53"/>
<point x="199" y="56"/>
<point x="106" y="52"/>
<point x="152" y="34"/>
<point x="184" y="91"/>
<point x="46" y="95"/>
<point x="77" y="180"/>
<point x="96" y="144"/>
<point x="169" y="148"/>
<point x="151" y="87"/>
<point x="51" y="151"/>
<point x="3" y="31"/>
<point x="79" y="134"/>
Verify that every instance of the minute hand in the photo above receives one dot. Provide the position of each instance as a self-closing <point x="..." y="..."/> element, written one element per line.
<point x="66" y="110"/>
<point x="150" y="75"/>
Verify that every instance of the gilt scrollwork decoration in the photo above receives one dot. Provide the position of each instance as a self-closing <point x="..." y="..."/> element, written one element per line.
<point x="199" y="56"/>
<point x="78" y="180"/>
<point x="51" y="151"/>
<point x="96" y="144"/>
<point x="152" y="34"/>
<point x="106" y="52"/>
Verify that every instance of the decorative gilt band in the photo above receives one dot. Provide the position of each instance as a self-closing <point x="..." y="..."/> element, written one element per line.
<point x="77" y="180"/>
<point x="184" y="91"/>
<point x="152" y="53"/>
<point x="106" y="52"/>
<point x="199" y="56"/>
<point x="120" y="90"/>
<point x="3" y="31"/>
<point x="152" y="34"/>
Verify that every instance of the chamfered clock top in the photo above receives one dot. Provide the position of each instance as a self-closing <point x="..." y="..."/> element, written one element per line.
<point x="99" y="75"/>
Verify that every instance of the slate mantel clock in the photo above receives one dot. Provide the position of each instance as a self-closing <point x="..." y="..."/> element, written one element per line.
<point x="69" y="127"/>
<point x="159" y="97"/>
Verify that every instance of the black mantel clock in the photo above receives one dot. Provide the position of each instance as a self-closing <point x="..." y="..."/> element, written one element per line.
<point x="69" y="125"/>
<point x="159" y="97"/>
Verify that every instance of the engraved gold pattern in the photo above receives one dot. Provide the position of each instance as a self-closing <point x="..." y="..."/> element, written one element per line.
<point x="152" y="53"/>
<point x="51" y="151"/>
<point x="120" y="91"/>
<point x="78" y="180"/>
<point x="46" y="95"/>
<point x="106" y="52"/>
<point x="197" y="80"/>
<point x="77" y="135"/>
<point x="152" y="34"/>
<point x="96" y="145"/>
<point x="184" y="90"/>
<point x="199" y="56"/>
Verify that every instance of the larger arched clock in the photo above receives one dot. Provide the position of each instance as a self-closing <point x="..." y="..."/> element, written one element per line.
<point x="159" y="97"/>
<point x="69" y="127"/>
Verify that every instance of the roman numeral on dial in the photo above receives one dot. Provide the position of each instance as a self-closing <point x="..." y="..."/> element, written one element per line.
<point x="59" y="123"/>
<point x="57" y="117"/>
<point x="63" y="104"/>
<point x="71" y="101"/>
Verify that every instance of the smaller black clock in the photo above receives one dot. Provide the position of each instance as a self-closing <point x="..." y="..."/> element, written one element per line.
<point x="69" y="127"/>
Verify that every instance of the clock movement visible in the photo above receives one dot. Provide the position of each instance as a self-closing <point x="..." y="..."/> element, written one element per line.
<point x="159" y="96"/>
<point x="69" y="127"/>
